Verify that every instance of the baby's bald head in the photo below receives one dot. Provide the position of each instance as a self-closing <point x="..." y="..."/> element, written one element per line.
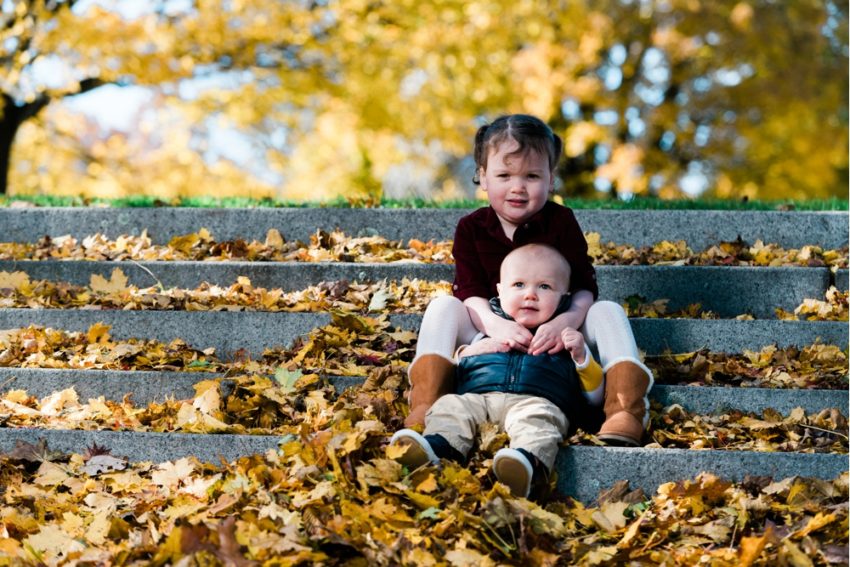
<point x="537" y="254"/>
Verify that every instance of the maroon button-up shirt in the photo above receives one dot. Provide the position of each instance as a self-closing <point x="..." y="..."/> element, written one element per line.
<point x="480" y="245"/>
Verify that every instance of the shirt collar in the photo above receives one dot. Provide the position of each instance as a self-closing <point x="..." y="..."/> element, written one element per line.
<point x="535" y="224"/>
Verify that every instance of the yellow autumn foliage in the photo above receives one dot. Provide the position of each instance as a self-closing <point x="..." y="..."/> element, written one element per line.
<point x="352" y="98"/>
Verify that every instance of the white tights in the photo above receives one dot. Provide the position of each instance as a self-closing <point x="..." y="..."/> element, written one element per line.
<point x="447" y="325"/>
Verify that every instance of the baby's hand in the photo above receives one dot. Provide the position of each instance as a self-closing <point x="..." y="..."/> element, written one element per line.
<point x="574" y="343"/>
<point x="509" y="333"/>
<point x="484" y="346"/>
<point x="546" y="339"/>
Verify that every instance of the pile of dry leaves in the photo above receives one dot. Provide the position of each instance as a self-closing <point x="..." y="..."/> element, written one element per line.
<point x="323" y="247"/>
<point x="284" y="404"/>
<point x="832" y="308"/>
<point x="333" y="495"/>
<point x="815" y="366"/>
<point x="353" y="345"/>
<point x="734" y="253"/>
<point x="405" y="296"/>
<point x="336" y="246"/>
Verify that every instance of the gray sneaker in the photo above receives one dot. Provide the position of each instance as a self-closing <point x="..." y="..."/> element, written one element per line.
<point x="514" y="470"/>
<point x="419" y="451"/>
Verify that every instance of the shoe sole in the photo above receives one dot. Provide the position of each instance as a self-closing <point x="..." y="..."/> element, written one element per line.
<point x="511" y="473"/>
<point x="415" y="456"/>
<point x="418" y="451"/>
<point x="616" y="440"/>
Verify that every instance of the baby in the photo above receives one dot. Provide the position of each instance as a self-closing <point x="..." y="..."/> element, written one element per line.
<point x="533" y="397"/>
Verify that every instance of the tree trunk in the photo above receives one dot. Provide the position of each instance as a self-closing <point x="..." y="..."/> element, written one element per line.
<point x="9" y="124"/>
<point x="13" y="116"/>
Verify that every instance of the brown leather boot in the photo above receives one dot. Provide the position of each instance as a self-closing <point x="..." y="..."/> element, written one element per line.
<point x="626" y="384"/>
<point x="431" y="376"/>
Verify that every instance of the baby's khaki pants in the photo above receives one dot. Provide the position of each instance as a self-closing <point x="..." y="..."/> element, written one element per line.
<point x="532" y="423"/>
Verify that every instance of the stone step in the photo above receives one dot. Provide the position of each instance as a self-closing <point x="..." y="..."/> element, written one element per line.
<point x="637" y="227"/>
<point x="582" y="471"/>
<point x="147" y="387"/>
<point x="728" y="291"/>
<point x="255" y="331"/>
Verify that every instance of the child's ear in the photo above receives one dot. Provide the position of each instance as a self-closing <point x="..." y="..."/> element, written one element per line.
<point x="498" y="289"/>
<point x="482" y="179"/>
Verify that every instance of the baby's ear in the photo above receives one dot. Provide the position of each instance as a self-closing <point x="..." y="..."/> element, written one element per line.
<point x="498" y="288"/>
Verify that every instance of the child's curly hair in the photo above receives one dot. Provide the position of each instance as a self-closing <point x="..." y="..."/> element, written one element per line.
<point x="531" y="133"/>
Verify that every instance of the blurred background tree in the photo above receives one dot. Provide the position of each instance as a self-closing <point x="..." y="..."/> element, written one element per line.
<point x="315" y="99"/>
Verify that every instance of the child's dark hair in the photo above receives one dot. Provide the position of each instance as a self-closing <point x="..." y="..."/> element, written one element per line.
<point x="531" y="133"/>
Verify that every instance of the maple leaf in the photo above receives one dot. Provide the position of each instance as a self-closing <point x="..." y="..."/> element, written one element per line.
<point x="39" y="452"/>
<point x="287" y="378"/>
<point x="184" y="540"/>
<point x="98" y="333"/>
<point x="427" y="485"/>
<point x="463" y="557"/>
<point x="594" y="250"/>
<point x="116" y="283"/>
<point x="611" y="516"/>
<point x="380" y="299"/>
<point x="57" y="401"/>
<point x="229" y="550"/>
<point x="52" y="542"/>
<point x="198" y="486"/>
<point x="19" y="281"/>
<point x="815" y="523"/>
<point x="102" y="463"/>
<point x="50" y="474"/>
<point x="97" y="532"/>
<point x="274" y="239"/>
<point x="95" y="450"/>
<point x="600" y="556"/>
<point x="185" y="243"/>
<point x="169" y="475"/>
<point x="752" y="547"/>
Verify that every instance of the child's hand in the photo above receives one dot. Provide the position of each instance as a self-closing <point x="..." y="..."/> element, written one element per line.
<point x="574" y="343"/>
<point x="509" y="333"/>
<point x="547" y="339"/>
<point x="484" y="346"/>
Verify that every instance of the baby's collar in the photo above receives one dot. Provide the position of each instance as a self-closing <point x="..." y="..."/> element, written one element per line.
<point x="563" y="307"/>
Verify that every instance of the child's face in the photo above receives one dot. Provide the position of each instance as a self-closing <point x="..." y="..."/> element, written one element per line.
<point x="531" y="287"/>
<point x="517" y="186"/>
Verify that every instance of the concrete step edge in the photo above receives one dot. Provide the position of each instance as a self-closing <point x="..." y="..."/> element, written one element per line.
<point x="260" y="330"/>
<point x="728" y="291"/>
<point x="638" y="227"/>
<point x="582" y="471"/>
<point x="151" y="386"/>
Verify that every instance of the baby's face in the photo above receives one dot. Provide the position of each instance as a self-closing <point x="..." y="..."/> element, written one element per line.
<point x="531" y="288"/>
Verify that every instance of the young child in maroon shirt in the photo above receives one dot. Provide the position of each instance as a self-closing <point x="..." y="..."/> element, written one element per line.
<point x="515" y="159"/>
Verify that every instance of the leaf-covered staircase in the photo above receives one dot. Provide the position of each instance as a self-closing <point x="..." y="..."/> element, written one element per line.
<point x="244" y="335"/>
